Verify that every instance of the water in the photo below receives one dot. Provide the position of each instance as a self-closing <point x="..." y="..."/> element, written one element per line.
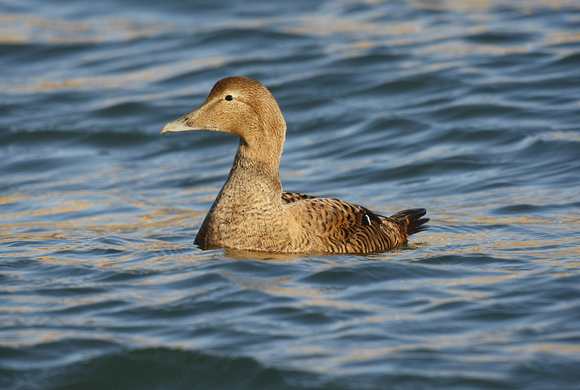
<point x="470" y="109"/>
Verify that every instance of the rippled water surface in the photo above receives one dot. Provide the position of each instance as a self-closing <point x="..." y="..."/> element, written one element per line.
<point x="470" y="109"/>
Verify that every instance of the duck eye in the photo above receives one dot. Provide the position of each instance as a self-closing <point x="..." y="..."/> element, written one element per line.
<point x="229" y="98"/>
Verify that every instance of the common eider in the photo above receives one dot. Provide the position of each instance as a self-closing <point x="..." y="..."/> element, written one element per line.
<point x="251" y="212"/>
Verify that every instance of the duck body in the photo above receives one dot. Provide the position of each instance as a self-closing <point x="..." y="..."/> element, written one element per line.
<point x="251" y="212"/>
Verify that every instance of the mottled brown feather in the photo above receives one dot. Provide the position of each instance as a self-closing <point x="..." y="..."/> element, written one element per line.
<point x="252" y="213"/>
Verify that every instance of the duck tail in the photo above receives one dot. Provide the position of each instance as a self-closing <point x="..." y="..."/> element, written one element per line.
<point x="411" y="218"/>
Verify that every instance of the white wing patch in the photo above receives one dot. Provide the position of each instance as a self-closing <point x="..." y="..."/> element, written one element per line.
<point x="368" y="220"/>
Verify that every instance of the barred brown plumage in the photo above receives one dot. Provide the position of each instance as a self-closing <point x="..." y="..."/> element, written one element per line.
<point x="252" y="213"/>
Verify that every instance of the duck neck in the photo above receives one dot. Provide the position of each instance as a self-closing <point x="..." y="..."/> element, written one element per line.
<point x="253" y="180"/>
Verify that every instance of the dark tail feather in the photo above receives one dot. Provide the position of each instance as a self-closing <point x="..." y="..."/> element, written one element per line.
<point x="412" y="219"/>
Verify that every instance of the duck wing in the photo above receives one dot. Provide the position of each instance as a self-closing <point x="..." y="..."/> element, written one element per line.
<point x="289" y="197"/>
<point x="341" y="227"/>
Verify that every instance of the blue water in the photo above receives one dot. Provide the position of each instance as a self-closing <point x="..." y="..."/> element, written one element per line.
<point x="470" y="109"/>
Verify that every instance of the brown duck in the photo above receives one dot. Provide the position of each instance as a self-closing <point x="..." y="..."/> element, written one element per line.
<point x="252" y="213"/>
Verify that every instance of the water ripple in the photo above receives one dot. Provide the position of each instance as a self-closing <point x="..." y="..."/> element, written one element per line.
<point x="469" y="109"/>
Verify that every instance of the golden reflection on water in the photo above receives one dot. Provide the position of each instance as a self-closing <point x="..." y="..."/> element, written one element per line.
<point x="124" y="80"/>
<point x="52" y="225"/>
<point x="361" y="35"/>
<point x="48" y="235"/>
<point x="468" y="342"/>
<point x="26" y="29"/>
<point x="527" y="6"/>
<point x="60" y="222"/>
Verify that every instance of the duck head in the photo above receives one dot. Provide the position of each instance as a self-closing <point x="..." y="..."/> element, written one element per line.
<point x="244" y="107"/>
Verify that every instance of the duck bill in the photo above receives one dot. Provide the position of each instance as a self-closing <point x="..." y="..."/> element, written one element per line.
<point x="180" y="124"/>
